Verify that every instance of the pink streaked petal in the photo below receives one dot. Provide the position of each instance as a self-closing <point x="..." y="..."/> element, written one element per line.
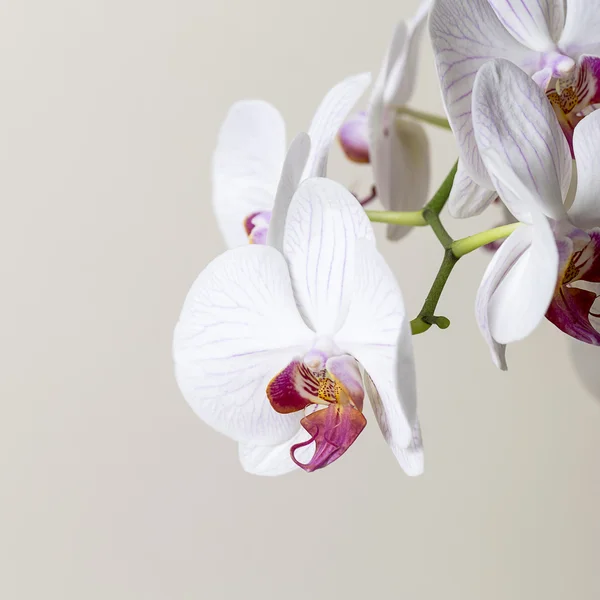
<point x="570" y="312"/>
<point x="333" y="430"/>
<point x="591" y="270"/>
<point x="513" y="119"/>
<point x="354" y="138"/>
<point x="293" y="388"/>
<point x="465" y="35"/>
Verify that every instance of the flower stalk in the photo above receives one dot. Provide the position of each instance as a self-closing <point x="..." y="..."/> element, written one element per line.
<point x="424" y="117"/>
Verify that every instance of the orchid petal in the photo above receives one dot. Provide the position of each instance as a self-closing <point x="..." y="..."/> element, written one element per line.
<point x="402" y="175"/>
<point x="536" y="24"/>
<point x="246" y="165"/>
<point x="582" y="24"/>
<point x="274" y="460"/>
<point x="238" y="328"/>
<point x="324" y="222"/>
<point x="328" y="119"/>
<point x="519" y="282"/>
<point x="513" y="118"/>
<point x="377" y="334"/>
<point x="291" y="173"/>
<point x="402" y="74"/>
<point x="465" y="36"/>
<point x="468" y="199"/>
<point x="585" y="212"/>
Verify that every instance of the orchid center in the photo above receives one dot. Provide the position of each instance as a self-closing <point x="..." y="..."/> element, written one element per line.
<point x="574" y="308"/>
<point x="257" y="225"/>
<point x="329" y="389"/>
<point x="575" y="94"/>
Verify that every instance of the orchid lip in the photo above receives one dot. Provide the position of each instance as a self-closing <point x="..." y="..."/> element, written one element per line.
<point x="334" y="391"/>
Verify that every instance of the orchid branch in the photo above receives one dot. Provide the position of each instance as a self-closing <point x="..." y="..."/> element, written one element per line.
<point x="428" y="118"/>
<point x="473" y="242"/>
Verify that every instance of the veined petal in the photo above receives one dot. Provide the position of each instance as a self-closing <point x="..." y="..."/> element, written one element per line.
<point x="468" y="199"/>
<point x="328" y="119"/>
<point x="519" y="282"/>
<point x="377" y="334"/>
<point x="585" y="212"/>
<point x="402" y="74"/>
<point x="323" y="225"/>
<point x="570" y="312"/>
<point x="511" y="250"/>
<point x="582" y="24"/>
<point x="513" y="118"/>
<point x="465" y="36"/>
<point x="537" y="24"/>
<point x="238" y="328"/>
<point x="275" y="460"/>
<point x="291" y="173"/>
<point x="246" y="166"/>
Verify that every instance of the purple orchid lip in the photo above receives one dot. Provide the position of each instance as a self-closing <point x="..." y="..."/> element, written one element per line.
<point x="337" y="393"/>
<point x="353" y="136"/>
<point x="572" y="306"/>
<point x="333" y="430"/>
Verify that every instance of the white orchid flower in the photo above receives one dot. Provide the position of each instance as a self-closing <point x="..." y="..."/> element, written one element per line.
<point x="557" y="42"/>
<point x="277" y="344"/>
<point x="250" y="153"/>
<point x="397" y="147"/>
<point x="529" y="162"/>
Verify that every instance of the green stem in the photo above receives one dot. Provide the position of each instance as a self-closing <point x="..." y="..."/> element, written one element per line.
<point x="433" y="208"/>
<point x="426" y="318"/>
<point x="411" y="219"/>
<point x="473" y="242"/>
<point x="424" y="117"/>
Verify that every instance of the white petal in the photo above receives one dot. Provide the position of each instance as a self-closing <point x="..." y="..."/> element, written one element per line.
<point x="328" y="119"/>
<point x="324" y="222"/>
<point x="513" y="118"/>
<point x="407" y="170"/>
<point x="537" y="24"/>
<point x="246" y="166"/>
<point x="400" y="81"/>
<point x="521" y="300"/>
<point x="580" y="34"/>
<point x="585" y="212"/>
<point x="468" y="199"/>
<point x="274" y="460"/>
<point x="238" y="328"/>
<point x="291" y="174"/>
<point x="377" y="334"/>
<point x="466" y="35"/>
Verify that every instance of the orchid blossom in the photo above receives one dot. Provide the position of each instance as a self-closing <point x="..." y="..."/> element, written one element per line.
<point x="529" y="161"/>
<point x="248" y="160"/>
<point x="556" y="42"/>
<point x="396" y="147"/>
<point x="278" y="344"/>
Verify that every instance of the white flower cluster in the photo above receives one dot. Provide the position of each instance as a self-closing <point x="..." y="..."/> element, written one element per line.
<point x="282" y="337"/>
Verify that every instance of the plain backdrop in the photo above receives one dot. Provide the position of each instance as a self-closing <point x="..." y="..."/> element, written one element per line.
<point x="111" y="487"/>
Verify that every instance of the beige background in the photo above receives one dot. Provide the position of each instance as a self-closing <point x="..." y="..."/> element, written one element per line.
<point x="111" y="487"/>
